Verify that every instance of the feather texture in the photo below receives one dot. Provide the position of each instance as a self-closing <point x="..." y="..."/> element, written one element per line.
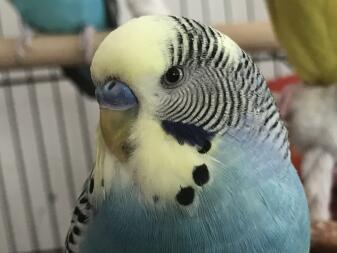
<point x="240" y="195"/>
<point x="251" y="205"/>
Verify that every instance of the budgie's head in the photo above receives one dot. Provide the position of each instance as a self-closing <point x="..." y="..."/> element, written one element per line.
<point x="174" y="86"/>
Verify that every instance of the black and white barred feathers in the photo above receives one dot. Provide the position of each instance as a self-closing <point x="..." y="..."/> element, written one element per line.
<point x="82" y="213"/>
<point x="222" y="86"/>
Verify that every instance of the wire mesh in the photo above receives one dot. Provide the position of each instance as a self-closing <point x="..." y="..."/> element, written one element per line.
<point x="20" y="164"/>
<point x="43" y="162"/>
<point x="47" y="129"/>
<point x="63" y="139"/>
<point x="6" y="214"/>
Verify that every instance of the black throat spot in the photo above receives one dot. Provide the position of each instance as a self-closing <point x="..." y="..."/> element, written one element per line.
<point x="190" y="134"/>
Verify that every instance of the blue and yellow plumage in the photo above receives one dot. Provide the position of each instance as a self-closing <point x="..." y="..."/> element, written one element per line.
<point x="191" y="153"/>
<point x="248" y="207"/>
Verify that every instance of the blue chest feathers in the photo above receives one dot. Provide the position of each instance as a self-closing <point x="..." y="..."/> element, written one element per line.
<point x="253" y="203"/>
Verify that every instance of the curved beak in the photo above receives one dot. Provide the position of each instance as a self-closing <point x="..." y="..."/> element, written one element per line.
<point x="118" y="109"/>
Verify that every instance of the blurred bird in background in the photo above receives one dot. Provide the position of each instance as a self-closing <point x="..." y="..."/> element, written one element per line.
<point x="307" y="31"/>
<point x="75" y="17"/>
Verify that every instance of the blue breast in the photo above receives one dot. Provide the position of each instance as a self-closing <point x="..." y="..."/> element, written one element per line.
<point x="254" y="203"/>
<point x="62" y="16"/>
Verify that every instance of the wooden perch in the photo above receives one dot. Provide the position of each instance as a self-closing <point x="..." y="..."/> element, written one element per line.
<point x="66" y="50"/>
<point x="251" y="36"/>
<point x="45" y="50"/>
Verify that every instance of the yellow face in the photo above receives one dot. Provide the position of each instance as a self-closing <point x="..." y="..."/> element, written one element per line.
<point x="135" y="58"/>
<point x="136" y="53"/>
<point x="139" y="62"/>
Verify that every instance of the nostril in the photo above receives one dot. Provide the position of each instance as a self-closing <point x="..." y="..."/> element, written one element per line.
<point x="111" y="85"/>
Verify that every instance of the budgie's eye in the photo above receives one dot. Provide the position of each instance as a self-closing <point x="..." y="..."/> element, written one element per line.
<point x="173" y="76"/>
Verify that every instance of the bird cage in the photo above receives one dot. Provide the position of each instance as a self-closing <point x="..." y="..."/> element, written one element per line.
<point x="47" y="127"/>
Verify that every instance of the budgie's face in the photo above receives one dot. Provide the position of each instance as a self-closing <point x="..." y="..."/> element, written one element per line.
<point x="170" y="67"/>
<point x="167" y="88"/>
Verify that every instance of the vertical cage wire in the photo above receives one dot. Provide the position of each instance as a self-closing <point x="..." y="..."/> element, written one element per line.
<point x="250" y="8"/>
<point x="42" y="157"/>
<point x="206" y="11"/>
<point x="228" y="11"/>
<point x="19" y="162"/>
<point x="20" y="165"/>
<point x="183" y="8"/>
<point x="6" y="213"/>
<point x="276" y="65"/>
<point x="63" y="138"/>
<point x="84" y="130"/>
<point x="5" y="208"/>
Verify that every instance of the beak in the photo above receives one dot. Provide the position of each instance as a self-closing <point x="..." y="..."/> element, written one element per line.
<point x="118" y="109"/>
<point x="115" y="95"/>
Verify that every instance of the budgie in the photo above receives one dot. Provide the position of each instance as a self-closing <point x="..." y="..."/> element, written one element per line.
<point x="77" y="16"/>
<point x="312" y="120"/>
<point x="306" y="30"/>
<point x="191" y="153"/>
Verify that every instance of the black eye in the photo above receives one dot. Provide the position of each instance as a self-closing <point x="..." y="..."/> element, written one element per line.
<point x="173" y="76"/>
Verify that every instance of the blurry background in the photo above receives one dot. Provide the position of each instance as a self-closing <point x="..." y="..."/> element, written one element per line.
<point x="47" y="131"/>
